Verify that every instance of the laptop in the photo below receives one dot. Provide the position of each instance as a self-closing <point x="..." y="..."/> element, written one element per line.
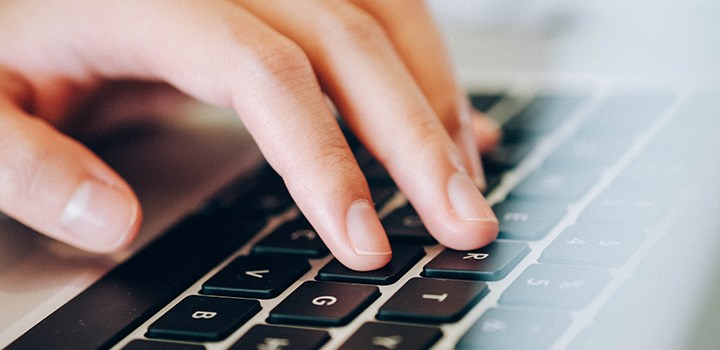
<point x="605" y="185"/>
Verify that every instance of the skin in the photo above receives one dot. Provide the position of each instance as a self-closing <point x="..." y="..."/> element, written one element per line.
<point x="381" y="63"/>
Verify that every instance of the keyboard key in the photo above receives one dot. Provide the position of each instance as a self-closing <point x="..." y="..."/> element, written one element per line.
<point x="404" y="226"/>
<point x="528" y="219"/>
<point x="324" y="304"/>
<point x="264" y="337"/>
<point x="430" y="300"/>
<point x="628" y="113"/>
<point x="638" y="207"/>
<point x="381" y="193"/>
<point x="591" y="150"/>
<point x="556" y="182"/>
<point x="375" y="335"/>
<point x="490" y="263"/>
<point x="376" y="173"/>
<point x="507" y="155"/>
<point x="555" y="286"/>
<point x="593" y="245"/>
<point x="140" y="344"/>
<point x="500" y="328"/>
<point x="484" y="102"/>
<point x="293" y="238"/>
<point x="269" y="194"/>
<point x="404" y="257"/>
<point x="256" y="277"/>
<point x="545" y="113"/>
<point x="203" y="318"/>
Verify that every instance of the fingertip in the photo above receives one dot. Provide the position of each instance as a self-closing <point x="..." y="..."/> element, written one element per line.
<point x="370" y="245"/>
<point x="364" y="262"/>
<point x="470" y="235"/>
<point x="101" y="218"/>
<point x="486" y="131"/>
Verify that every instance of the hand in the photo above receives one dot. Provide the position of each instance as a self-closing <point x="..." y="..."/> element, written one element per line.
<point x="382" y="64"/>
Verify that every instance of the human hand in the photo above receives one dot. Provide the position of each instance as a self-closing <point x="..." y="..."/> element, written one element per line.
<point x="382" y="64"/>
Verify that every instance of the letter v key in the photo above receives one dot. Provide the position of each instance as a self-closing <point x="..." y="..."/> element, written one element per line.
<point x="256" y="273"/>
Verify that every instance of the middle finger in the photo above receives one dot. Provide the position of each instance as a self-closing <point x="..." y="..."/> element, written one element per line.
<point x="379" y="99"/>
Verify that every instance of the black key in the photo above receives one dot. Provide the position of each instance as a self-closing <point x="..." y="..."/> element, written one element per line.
<point x="381" y="193"/>
<point x="492" y="180"/>
<point x="500" y="328"/>
<point x="202" y="318"/>
<point x="557" y="182"/>
<point x="528" y="219"/>
<point x="594" y="245"/>
<point x="404" y="225"/>
<point x="256" y="277"/>
<point x="507" y="155"/>
<point x="293" y="238"/>
<point x="281" y="338"/>
<point x="375" y="335"/>
<point x="376" y="173"/>
<point x="404" y="257"/>
<point x="430" y="300"/>
<point x="490" y="263"/>
<point x="555" y="286"/>
<point x="545" y="113"/>
<point x="141" y="286"/>
<point x="139" y="344"/>
<point x="266" y="192"/>
<point x="324" y="304"/>
<point x="483" y="102"/>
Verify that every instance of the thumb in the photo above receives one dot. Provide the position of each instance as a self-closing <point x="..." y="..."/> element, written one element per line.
<point x="58" y="187"/>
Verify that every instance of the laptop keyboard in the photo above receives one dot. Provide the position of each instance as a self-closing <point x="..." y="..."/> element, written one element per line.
<point x="249" y="272"/>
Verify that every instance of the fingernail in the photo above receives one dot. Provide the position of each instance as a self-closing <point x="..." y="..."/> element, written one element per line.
<point x="100" y="216"/>
<point x="365" y="231"/>
<point x="466" y="200"/>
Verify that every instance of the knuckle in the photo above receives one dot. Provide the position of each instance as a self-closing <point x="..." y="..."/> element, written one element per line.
<point x="284" y="60"/>
<point x="21" y="160"/>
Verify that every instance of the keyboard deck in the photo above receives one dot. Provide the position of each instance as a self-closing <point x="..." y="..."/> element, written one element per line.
<point x="583" y="186"/>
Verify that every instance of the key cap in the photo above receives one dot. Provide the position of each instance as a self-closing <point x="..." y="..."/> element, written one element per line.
<point x="404" y="257"/>
<point x="545" y="113"/>
<point x="484" y="102"/>
<point x="528" y="219"/>
<point x="628" y="114"/>
<point x="490" y="263"/>
<point x="139" y="344"/>
<point x="591" y="150"/>
<point x="500" y="328"/>
<point x="293" y="238"/>
<point x="555" y="286"/>
<point x="593" y="245"/>
<point x="381" y="193"/>
<point x="638" y="207"/>
<point x="508" y="155"/>
<point x="404" y="226"/>
<point x="556" y="182"/>
<point x="375" y="335"/>
<point x="256" y="277"/>
<point x="264" y="337"/>
<point x="267" y="193"/>
<point x="203" y="318"/>
<point x="324" y="304"/>
<point x="430" y="300"/>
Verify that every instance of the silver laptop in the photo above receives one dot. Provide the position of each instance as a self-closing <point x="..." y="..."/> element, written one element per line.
<point x="605" y="184"/>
